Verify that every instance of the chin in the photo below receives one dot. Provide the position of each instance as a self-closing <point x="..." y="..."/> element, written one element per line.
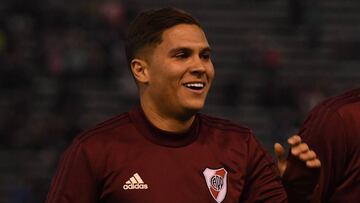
<point x="195" y="106"/>
<point x="188" y="111"/>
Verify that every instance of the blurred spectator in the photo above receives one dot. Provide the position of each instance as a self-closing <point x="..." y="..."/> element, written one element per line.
<point x="113" y="12"/>
<point x="231" y="92"/>
<point x="14" y="118"/>
<point x="23" y="192"/>
<point x="261" y="52"/>
<point x="65" y="39"/>
<point x="296" y="12"/>
<point x="66" y="115"/>
<point x="305" y="16"/>
<point x="279" y="100"/>
<point x="346" y="44"/>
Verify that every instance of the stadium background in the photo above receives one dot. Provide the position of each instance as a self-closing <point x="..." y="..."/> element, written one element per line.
<point x="63" y="69"/>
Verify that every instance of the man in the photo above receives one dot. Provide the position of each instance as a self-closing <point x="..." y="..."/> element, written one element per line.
<point x="332" y="130"/>
<point x="163" y="150"/>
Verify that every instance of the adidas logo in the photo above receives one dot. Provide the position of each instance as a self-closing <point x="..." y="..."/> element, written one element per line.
<point x="135" y="183"/>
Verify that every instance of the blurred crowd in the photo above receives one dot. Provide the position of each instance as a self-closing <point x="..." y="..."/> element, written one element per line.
<point x="62" y="37"/>
<point x="59" y="41"/>
<point x="46" y="46"/>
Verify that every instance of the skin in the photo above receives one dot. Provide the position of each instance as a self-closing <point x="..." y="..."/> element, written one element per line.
<point x="161" y="72"/>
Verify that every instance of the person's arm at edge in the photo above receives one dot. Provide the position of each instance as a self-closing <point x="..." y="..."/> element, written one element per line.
<point x="74" y="180"/>
<point x="302" y="158"/>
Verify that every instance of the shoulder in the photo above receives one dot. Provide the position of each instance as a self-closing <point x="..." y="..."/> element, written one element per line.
<point x="349" y="107"/>
<point x="331" y="112"/>
<point x="344" y="101"/>
<point x="105" y="138"/>
<point x="336" y="104"/>
<point x="233" y="137"/>
<point x="104" y="129"/>
<point x="224" y="127"/>
<point x="223" y="124"/>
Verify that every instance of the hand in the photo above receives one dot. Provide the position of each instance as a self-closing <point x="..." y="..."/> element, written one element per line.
<point x="298" y="149"/>
<point x="282" y="162"/>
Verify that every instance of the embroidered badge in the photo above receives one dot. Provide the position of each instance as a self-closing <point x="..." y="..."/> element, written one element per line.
<point x="216" y="182"/>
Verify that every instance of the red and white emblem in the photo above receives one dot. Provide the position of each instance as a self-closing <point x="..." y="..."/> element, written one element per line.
<point x="216" y="182"/>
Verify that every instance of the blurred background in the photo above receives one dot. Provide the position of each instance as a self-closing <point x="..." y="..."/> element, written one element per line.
<point x="63" y="69"/>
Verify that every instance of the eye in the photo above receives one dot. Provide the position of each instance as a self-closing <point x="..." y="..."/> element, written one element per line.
<point x="205" y="55"/>
<point x="181" y="55"/>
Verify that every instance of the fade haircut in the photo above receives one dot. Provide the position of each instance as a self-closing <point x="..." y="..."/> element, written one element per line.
<point x="147" y="28"/>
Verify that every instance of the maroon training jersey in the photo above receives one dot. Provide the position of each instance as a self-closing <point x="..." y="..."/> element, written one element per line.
<point x="127" y="159"/>
<point x="332" y="130"/>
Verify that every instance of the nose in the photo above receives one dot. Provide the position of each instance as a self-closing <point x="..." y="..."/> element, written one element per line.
<point x="198" y="67"/>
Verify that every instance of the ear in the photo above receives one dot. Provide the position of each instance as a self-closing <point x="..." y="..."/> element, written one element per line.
<point x="139" y="69"/>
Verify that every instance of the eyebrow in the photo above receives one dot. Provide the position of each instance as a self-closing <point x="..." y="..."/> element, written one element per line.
<point x="186" y="49"/>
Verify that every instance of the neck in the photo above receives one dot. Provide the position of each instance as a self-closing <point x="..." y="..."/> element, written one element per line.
<point x="176" y="124"/>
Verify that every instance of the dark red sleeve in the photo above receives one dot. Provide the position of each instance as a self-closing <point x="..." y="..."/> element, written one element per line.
<point x="74" y="181"/>
<point x="324" y="134"/>
<point x="299" y="181"/>
<point x="263" y="183"/>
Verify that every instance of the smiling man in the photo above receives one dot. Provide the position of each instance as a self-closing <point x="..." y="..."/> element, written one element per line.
<point x="164" y="150"/>
<point x="174" y="77"/>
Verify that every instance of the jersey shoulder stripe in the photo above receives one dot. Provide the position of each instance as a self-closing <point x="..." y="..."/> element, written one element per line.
<point x="109" y="124"/>
<point x="333" y="103"/>
<point x="224" y="124"/>
<point x="326" y="108"/>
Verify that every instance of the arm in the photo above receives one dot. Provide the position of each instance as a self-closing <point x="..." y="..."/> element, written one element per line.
<point x="307" y="164"/>
<point x="74" y="180"/>
<point x="262" y="183"/>
<point x="299" y="150"/>
<point x="323" y="131"/>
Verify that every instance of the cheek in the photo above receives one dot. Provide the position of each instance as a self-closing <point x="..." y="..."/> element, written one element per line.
<point x="172" y="75"/>
<point x="165" y="80"/>
<point x="211" y="73"/>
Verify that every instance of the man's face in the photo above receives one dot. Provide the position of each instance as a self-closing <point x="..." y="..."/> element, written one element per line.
<point x="180" y="71"/>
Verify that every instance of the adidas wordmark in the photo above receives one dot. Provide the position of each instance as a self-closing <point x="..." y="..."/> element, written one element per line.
<point x="135" y="183"/>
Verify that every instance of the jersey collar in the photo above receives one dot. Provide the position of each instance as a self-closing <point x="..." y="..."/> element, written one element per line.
<point x="161" y="137"/>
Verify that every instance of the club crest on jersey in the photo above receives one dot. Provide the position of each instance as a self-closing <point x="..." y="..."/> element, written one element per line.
<point x="216" y="182"/>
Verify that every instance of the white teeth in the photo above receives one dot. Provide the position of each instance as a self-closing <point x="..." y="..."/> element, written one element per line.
<point x="199" y="85"/>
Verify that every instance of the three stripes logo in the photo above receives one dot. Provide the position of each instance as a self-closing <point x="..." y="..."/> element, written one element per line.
<point x="135" y="183"/>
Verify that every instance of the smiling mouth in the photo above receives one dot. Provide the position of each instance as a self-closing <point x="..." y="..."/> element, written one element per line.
<point x="195" y="85"/>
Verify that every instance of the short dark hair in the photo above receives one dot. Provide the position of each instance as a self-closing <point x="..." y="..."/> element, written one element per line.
<point x="147" y="28"/>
